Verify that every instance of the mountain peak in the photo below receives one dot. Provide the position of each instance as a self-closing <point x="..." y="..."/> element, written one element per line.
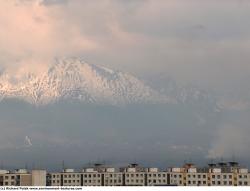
<point x="74" y="79"/>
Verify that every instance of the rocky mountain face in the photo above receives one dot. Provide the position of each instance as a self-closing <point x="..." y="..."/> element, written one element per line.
<point x="73" y="79"/>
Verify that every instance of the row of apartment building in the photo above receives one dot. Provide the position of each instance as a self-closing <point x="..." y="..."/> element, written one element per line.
<point x="221" y="174"/>
<point x="23" y="177"/>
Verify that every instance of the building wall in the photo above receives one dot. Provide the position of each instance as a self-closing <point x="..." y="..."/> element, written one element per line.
<point x="38" y="177"/>
<point x="130" y="177"/>
<point x="157" y="178"/>
<point x="25" y="179"/>
<point x="113" y="179"/>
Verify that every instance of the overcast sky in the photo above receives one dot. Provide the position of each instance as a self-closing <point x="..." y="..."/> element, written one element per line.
<point x="200" y="42"/>
<point x="196" y="41"/>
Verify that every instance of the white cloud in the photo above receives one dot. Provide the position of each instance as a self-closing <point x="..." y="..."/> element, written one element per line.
<point x="32" y="33"/>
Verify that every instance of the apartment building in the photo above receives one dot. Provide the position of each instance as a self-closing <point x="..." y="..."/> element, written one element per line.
<point x="154" y="177"/>
<point x="220" y="174"/>
<point x="100" y="175"/>
<point x="22" y="177"/>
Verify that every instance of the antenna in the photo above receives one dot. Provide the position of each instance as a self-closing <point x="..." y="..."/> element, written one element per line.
<point x="221" y="159"/>
<point x="2" y="165"/>
<point x="185" y="161"/>
<point x="26" y="166"/>
<point x="233" y="158"/>
<point x="63" y="165"/>
<point x="33" y="166"/>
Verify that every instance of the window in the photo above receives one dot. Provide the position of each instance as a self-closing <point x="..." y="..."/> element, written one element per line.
<point x="12" y="177"/>
<point x="225" y="176"/>
<point x="230" y="176"/>
<point x="199" y="176"/>
<point x="240" y="183"/>
<point x="218" y="176"/>
<point x="194" y="182"/>
<point x="245" y="183"/>
<point x="204" y="182"/>
<point x="204" y="176"/>
<point x="218" y="182"/>
<point x="213" y="176"/>
<point x="54" y="181"/>
<point x="230" y="183"/>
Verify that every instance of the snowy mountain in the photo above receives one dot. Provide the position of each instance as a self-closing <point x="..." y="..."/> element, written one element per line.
<point x="73" y="79"/>
<point x="188" y="95"/>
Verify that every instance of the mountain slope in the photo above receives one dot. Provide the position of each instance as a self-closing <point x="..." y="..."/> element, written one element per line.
<point x="73" y="79"/>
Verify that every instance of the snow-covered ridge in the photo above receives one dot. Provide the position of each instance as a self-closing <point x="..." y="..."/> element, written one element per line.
<point x="73" y="79"/>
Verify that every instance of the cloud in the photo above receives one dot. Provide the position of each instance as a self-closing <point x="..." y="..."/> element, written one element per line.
<point x="32" y="33"/>
<point x="204" y="43"/>
<point x="195" y="42"/>
<point x="232" y="137"/>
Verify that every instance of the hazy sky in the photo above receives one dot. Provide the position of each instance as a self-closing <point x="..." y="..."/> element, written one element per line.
<point x="200" y="42"/>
